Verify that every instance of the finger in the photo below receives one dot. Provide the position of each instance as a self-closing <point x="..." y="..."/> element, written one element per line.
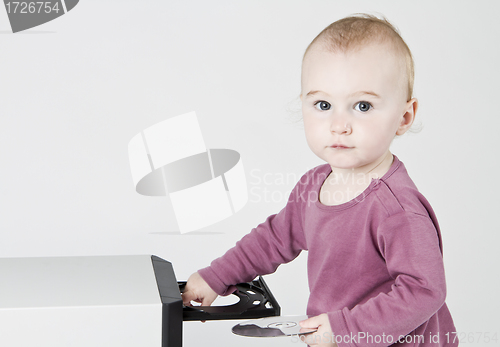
<point x="206" y="302"/>
<point x="312" y="322"/>
<point x="187" y="297"/>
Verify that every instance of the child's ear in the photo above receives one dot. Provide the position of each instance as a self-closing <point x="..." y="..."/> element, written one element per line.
<point x="409" y="116"/>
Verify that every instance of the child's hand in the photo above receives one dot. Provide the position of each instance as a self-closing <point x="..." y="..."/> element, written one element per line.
<point x="198" y="290"/>
<point x="324" y="336"/>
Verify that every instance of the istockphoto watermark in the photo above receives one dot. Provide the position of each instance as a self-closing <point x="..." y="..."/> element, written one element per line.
<point x="472" y="338"/>
<point x="267" y="187"/>
<point x="28" y="14"/>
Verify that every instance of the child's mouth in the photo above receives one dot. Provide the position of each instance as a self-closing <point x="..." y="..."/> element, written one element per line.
<point x="339" y="146"/>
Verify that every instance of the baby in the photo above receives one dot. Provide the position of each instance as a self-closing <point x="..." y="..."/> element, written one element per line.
<point x="375" y="265"/>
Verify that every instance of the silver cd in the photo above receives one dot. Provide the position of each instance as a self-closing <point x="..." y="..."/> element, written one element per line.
<point x="272" y="327"/>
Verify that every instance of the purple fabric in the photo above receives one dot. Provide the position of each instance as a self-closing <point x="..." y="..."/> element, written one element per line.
<point x="375" y="263"/>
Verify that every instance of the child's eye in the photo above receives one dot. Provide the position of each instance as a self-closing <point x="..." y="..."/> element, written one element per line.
<point x="363" y="106"/>
<point x="322" y="105"/>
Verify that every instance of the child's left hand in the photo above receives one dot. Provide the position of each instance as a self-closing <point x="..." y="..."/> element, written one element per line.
<point x="324" y="336"/>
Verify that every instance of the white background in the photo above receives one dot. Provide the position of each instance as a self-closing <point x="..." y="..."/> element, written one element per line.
<point x="74" y="91"/>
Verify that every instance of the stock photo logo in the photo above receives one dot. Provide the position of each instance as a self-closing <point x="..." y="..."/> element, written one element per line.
<point x="204" y="185"/>
<point x="28" y="14"/>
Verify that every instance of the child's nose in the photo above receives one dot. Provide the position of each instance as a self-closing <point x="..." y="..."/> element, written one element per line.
<point x="340" y="125"/>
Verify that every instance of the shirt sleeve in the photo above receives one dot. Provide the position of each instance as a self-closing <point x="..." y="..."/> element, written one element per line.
<point x="410" y="245"/>
<point x="278" y="240"/>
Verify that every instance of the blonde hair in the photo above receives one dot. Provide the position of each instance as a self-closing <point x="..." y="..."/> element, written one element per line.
<point x="352" y="32"/>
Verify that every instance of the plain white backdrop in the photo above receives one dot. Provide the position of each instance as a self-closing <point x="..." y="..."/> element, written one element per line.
<point x="74" y="91"/>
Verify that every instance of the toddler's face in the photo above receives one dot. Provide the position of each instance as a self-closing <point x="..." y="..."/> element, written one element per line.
<point x="353" y="104"/>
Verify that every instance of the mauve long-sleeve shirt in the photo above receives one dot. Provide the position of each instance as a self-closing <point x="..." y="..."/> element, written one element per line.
<point x="375" y="263"/>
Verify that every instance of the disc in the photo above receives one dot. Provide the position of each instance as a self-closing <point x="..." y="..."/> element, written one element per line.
<point x="272" y="327"/>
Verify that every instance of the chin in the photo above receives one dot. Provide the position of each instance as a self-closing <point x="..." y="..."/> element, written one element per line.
<point x="342" y="163"/>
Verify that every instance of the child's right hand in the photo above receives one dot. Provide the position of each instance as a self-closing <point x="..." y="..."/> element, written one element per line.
<point x="198" y="290"/>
